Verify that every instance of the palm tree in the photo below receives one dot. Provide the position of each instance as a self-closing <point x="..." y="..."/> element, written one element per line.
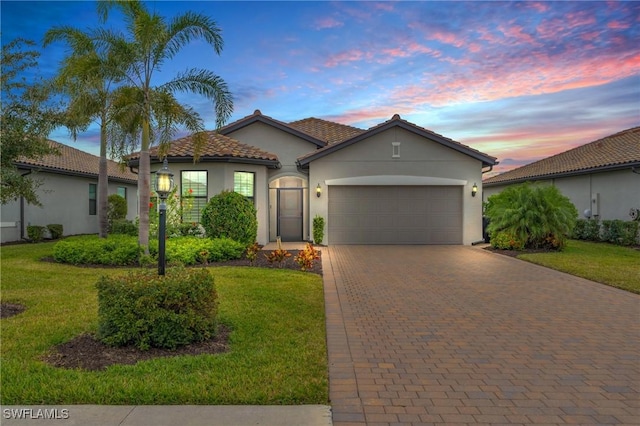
<point x="89" y="77"/>
<point x="151" y="41"/>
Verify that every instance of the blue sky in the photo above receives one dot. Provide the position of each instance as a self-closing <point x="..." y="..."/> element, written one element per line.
<point x="517" y="80"/>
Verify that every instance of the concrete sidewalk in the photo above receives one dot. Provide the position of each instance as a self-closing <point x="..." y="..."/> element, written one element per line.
<point x="165" y="415"/>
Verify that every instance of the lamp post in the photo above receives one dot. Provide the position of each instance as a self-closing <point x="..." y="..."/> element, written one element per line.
<point x="164" y="186"/>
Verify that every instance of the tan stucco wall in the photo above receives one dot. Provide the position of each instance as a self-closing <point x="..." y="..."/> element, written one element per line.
<point x="65" y="200"/>
<point x="619" y="191"/>
<point x="418" y="157"/>
<point x="220" y="178"/>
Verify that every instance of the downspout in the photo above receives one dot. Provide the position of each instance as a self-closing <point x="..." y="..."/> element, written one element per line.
<point x="22" y="209"/>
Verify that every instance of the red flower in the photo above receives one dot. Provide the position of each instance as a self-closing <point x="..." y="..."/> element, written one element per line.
<point x="190" y="191"/>
<point x="150" y="205"/>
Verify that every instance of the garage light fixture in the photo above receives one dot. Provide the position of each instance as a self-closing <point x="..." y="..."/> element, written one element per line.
<point x="474" y="190"/>
<point x="318" y="191"/>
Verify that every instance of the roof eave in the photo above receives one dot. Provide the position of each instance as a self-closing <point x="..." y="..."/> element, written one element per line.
<point x="601" y="169"/>
<point x="272" y="164"/>
<point x="66" y="172"/>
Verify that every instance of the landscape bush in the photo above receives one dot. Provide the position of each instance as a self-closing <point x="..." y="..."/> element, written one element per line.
<point x="587" y="229"/>
<point x="506" y="241"/>
<point x="123" y="227"/>
<point x="318" y="229"/>
<point x="116" y="208"/>
<point x="36" y="233"/>
<point x="147" y="310"/>
<point x="536" y="214"/>
<point x="55" y="230"/>
<point x="194" y="250"/>
<point x="115" y="250"/>
<point x="624" y="233"/>
<point x="307" y="257"/>
<point x="123" y="250"/>
<point x="230" y="215"/>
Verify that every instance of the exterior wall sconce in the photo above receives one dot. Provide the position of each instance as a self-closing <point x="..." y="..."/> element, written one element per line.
<point x="474" y="190"/>
<point x="318" y="191"/>
<point x="164" y="186"/>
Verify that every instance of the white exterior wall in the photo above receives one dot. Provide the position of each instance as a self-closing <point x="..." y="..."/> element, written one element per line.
<point x="65" y="200"/>
<point x="619" y="191"/>
<point x="418" y="157"/>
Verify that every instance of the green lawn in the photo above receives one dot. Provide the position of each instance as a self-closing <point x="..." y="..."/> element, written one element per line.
<point x="605" y="263"/>
<point x="277" y="356"/>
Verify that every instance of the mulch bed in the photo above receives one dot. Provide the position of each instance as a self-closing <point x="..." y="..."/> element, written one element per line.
<point x="516" y="253"/>
<point x="10" y="309"/>
<point x="88" y="353"/>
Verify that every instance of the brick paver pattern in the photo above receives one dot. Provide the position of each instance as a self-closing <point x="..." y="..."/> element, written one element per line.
<point x="457" y="335"/>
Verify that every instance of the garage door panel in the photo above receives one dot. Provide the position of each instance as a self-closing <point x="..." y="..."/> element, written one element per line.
<point x="395" y="215"/>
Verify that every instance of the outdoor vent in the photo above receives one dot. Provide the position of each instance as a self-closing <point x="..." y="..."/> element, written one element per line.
<point x="395" y="153"/>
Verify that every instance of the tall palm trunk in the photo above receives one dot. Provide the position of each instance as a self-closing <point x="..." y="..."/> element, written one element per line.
<point x="144" y="188"/>
<point x="103" y="182"/>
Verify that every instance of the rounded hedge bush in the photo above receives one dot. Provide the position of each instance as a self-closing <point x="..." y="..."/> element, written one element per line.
<point x="151" y="311"/>
<point x="230" y="215"/>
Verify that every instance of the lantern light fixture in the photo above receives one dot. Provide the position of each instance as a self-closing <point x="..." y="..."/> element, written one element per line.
<point x="318" y="191"/>
<point x="474" y="190"/>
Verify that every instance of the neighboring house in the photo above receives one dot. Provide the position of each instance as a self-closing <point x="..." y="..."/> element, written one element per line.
<point x="601" y="178"/>
<point x="68" y="194"/>
<point x="395" y="183"/>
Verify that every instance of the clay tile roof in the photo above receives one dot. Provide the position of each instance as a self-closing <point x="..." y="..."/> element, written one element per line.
<point x="620" y="149"/>
<point x="218" y="147"/>
<point x="73" y="161"/>
<point x="327" y="131"/>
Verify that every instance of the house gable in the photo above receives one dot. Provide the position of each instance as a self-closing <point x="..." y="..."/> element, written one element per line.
<point x="398" y="123"/>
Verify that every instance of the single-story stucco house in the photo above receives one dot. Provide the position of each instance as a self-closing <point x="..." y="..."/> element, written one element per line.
<point x="68" y="193"/>
<point x="601" y="178"/>
<point x="395" y="183"/>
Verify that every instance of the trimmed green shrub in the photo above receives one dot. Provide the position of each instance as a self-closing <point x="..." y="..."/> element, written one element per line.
<point x="624" y="233"/>
<point x="90" y="249"/>
<point x="230" y="215"/>
<point x="36" y="233"/>
<point x="538" y="215"/>
<point x="55" y="229"/>
<point x="116" y="207"/>
<point x="147" y="310"/>
<point x="193" y="250"/>
<point x="123" y="227"/>
<point x="587" y="229"/>
<point x="318" y="229"/>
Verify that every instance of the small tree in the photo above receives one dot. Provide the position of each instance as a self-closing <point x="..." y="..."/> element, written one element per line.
<point x="537" y="215"/>
<point x="231" y="215"/>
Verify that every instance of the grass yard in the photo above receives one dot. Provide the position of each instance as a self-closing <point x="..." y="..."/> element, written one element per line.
<point x="605" y="263"/>
<point x="277" y="354"/>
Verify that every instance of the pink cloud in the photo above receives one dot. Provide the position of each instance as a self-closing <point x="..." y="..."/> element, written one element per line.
<point x="347" y="56"/>
<point x="516" y="32"/>
<point x="326" y="23"/>
<point x="617" y="25"/>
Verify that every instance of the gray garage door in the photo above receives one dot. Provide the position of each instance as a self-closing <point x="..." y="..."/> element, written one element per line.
<point x="395" y="215"/>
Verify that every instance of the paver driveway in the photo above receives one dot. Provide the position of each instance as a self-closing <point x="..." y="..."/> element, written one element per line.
<point x="458" y="335"/>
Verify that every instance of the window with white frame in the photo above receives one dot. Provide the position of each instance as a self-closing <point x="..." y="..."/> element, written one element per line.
<point x="244" y="183"/>
<point x="194" y="189"/>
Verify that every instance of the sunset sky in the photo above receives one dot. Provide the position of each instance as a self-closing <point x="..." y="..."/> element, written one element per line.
<point x="517" y="80"/>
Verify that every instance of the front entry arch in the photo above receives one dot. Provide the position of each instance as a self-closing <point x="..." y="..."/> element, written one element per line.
<point x="287" y="208"/>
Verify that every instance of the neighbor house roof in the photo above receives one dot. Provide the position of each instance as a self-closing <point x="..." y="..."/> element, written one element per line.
<point x="397" y="121"/>
<point x="257" y="116"/>
<point x="612" y="152"/>
<point x="72" y="161"/>
<point x="326" y="131"/>
<point x="217" y="148"/>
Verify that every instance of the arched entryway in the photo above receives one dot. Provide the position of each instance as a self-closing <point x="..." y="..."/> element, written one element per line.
<point x="287" y="199"/>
